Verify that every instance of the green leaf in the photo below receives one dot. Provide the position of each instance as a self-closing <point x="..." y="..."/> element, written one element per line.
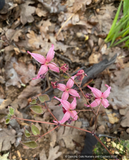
<point x="122" y="40"/>
<point x="11" y="111"/>
<point x="34" y="130"/>
<point x="7" y="121"/>
<point x="114" y="23"/>
<point x="33" y="101"/>
<point x="125" y="6"/>
<point x="37" y="109"/>
<point x="31" y="144"/>
<point x="27" y="133"/>
<point x="43" y="98"/>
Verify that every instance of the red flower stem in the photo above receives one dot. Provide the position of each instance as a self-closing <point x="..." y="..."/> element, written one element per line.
<point x="33" y="120"/>
<point x="75" y="128"/>
<point x="96" y="118"/>
<point x="51" y="113"/>
<point x="62" y="125"/>
<point x="47" y="133"/>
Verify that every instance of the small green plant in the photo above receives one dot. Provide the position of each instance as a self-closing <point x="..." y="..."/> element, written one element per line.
<point x="119" y="31"/>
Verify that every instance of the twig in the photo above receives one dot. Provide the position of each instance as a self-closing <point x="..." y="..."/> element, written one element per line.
<point x="47" y="133"/>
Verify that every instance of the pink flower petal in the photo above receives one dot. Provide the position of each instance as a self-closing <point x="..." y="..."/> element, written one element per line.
<point x="43" y="69"/>
<point x="74" y="115"/>
<point x="65" y="104"/>
<point x="73" y="104"/>
<point x="97" y="93"/>
<point x="61" y="87"/>
<point x="70" y="82"/>
<point x="65" y="118"/>
<point x="50" y="54"/>
<point x="95" y="103"/>
<point x="73" y="92"/>
<point x="105" y="103"/>
<point x="57" y="98"/>
<point x="65" y="95"/>
<point x="53" y="67"/>
<point x="37" y="57"/>
<point x="107" y="92"/>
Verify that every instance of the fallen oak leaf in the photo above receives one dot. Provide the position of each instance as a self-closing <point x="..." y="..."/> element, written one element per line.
<point x="7" y="139"/>
<point x="53" y="154"/>
<point x="26" y="12"/>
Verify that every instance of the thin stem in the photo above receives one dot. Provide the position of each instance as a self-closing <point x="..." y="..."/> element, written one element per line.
<point x="33" y="120"/>
<point x="51" y="113"/>
<point x="96" y="118"/>
<point x="76" y="128"/>
<point x="47" y="133"/>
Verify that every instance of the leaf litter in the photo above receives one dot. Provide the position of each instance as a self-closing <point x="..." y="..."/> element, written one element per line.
<point x="34" y="26"/>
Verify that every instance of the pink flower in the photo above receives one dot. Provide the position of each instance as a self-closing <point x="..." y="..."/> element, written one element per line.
<point x="80" y="75"/>
<point x="67" y="89"/>
<point x="64" y="68"/>
<point x="45" y="62"/>
<point x="100" y="97"/>
<point x="68" y="110"/>
<point x="54" y="84"/>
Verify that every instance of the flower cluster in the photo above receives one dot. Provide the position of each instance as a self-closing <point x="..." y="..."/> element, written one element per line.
<point x="68" y="108"/>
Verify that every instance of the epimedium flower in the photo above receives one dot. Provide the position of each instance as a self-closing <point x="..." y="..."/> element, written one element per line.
<point x="68" y="110"/>
<point x="80" y="75"/>
<point x="45" y="62"/>
<point x="100" y="97"/>
<point x="64" y="68"/>
<point x="67" y="89"/>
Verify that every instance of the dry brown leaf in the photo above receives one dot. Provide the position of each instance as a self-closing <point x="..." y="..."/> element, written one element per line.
<point x="25" y="72"/>
<point x="112" y="116"/>
<point x="118" y="97"/>
<point x="125" y="120"/>
<point x="79" y="4"/>
<point x="5" y="103"/>
<point x="40" y="12"/>
<point x="16" y="35"/>
<point x="94" y="58"/>
<point x="53" y="154"/>
<point x="18" y="73"/>
<point x="9" y="33"/>
<point x="105" y="18"/>
<point x="122" y="77"/>
<point x="7" y="139"/>
<point x="26" y="12"/>
<point x="35" y="41"/>
<point x="44" y="27"/>
<point x="30" y="91"/>
<point x="68" y="134"/>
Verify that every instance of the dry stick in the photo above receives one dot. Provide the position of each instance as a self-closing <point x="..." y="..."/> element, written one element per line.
<point x="47" y="133"/>
<point x="64" y="24"/>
